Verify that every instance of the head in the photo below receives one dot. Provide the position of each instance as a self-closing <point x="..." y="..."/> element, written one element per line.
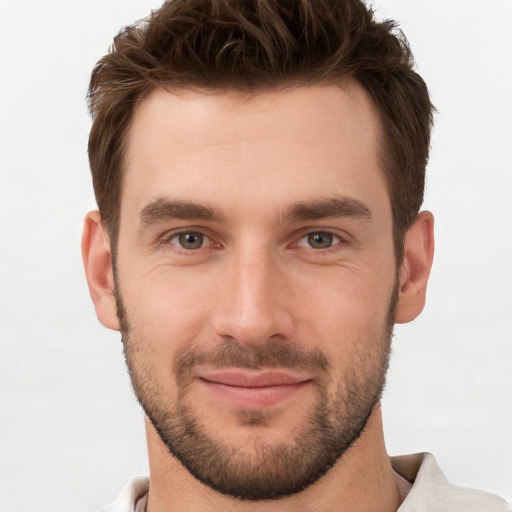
<point x="259" y="169"/>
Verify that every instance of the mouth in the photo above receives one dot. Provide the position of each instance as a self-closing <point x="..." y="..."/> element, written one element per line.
<point x="249" y="389"/>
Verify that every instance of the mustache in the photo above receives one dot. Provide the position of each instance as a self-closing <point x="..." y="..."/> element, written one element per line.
<point x="270" y="355"/>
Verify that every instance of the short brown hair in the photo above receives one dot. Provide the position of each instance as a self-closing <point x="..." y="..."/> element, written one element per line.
<point x="248" y="45"/>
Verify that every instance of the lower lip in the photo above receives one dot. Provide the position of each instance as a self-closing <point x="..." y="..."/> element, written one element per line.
<point x="254" y="397"/>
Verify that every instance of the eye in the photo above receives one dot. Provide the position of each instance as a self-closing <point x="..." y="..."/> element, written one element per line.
<point x="319" y="240"/>
<point x="190" y="240"/>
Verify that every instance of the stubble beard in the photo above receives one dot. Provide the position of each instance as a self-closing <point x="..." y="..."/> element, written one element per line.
<point x="267" y="470"/>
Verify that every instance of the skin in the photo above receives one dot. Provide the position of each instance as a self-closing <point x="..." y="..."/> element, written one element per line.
<point x="256" y="279"/>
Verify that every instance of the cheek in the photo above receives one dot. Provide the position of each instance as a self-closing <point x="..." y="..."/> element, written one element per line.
<point x="344" y="312"/>
<point x="332" y="307"/>
<point x="165" y="312"/>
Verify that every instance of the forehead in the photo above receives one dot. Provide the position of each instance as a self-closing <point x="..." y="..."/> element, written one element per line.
<point x="310" y="140"/>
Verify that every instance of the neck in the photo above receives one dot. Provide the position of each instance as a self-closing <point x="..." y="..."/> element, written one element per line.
<point x="361" y="480"/>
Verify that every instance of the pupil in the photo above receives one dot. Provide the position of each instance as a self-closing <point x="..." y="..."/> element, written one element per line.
<point x="320" y="240"/>
<point x="191" y="240"/>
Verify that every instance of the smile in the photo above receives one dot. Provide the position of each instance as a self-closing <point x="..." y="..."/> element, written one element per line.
<point x="249" y="390"/>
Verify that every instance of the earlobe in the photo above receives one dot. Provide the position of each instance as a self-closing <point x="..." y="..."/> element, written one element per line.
<point x="415" y="269"/>
<point x="97" y="260"/>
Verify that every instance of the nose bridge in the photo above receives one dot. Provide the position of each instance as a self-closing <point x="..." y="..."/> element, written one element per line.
<point x="251" y="307"/>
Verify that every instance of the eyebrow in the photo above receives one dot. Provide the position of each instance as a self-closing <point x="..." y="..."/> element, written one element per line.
<point x="163" y="209"/>
<point x="334" y="207"/>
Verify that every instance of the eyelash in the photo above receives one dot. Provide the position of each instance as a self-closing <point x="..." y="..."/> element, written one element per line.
<point x="167" y="241"/>
<point x="335" y="240"/>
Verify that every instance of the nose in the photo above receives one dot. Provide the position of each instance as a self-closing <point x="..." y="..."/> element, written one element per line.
<point x="254" y="300"/>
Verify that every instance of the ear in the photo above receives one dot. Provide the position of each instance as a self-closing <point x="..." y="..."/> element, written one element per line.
<point x="97" y="260"/>
<point x="415" y="268"/>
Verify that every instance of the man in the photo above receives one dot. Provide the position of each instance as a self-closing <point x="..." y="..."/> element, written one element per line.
<point x="259" y="170"/>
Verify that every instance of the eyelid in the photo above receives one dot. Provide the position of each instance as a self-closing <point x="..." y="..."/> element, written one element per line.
<point x="205" y="240"/>
<point x="336" y="239"/>
<point x="340" y="236"/>
<point x="168" y="236"/>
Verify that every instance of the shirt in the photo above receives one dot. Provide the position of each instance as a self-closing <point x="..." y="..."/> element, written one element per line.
<point x="428" y="490"/>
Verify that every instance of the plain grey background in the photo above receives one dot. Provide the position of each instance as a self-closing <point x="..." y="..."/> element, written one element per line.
<point x="71" y="432"/>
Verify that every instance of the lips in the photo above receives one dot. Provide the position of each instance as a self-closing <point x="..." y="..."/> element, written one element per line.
<point x="253" y="390"/>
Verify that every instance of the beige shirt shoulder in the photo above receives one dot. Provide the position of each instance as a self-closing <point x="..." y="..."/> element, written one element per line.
<point x="430" y="490"/>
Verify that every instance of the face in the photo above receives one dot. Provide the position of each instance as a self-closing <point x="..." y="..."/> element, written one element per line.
<point x="256" y="280"/>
